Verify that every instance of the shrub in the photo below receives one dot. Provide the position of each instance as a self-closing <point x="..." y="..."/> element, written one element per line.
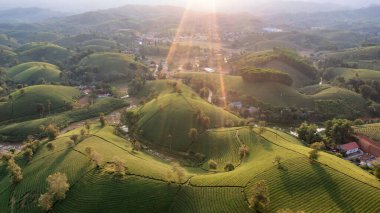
<point x="15" y="171"/>
<point x="119" y="166"/>
<point x="52" y="131"/>
<point x="313" y="155"/>
<point x="229" y="167"/>
<point x="212" y="164"/>
<point x="243" y="151"/>
<point x="259" y="201"/>
<point x="57" y="187"/>
<point x="50" y="146"/>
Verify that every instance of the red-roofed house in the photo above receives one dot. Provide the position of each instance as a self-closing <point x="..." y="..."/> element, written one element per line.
<point x="349" y="148"/>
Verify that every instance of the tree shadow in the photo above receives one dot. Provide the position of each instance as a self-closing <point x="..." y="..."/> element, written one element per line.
<point x="332" y="188"/>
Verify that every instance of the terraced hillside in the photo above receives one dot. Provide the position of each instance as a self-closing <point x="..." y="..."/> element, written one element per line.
<point x="370" y="130"/>
<point x="300" y="70"/>
<point x="113" y="66"/>
<point x="24" y="102"/>
<point x="363" y="58"/>
<point x="174" y="114"/>
<point x="343" y="102"/>
<point x="19" y="131"/>
<point x="299" y="185"/>
<point x="34" y="73"/>
<point x="44" y="52"/>
<point x="347" y="73"/>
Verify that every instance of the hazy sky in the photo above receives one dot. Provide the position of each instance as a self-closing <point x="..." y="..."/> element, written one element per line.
<point x="85" y="5"/>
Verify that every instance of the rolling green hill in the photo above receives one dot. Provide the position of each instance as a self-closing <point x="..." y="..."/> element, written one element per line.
<point x="113" y="66"/>
<point x="347" y="74"/>
<point x="363" y="58"/>
<point x="299" y="69"/>
<point x="300" y="185"/>
<point x="7" y="56"/>
<point x="24" y="104"/>
<point x="8" y="41"/>
<point x="175" y="114"/>
<point x="44" y="52"/>
<point x="343" y="102"/>
<point x="34" y="72"/>
<point x="19" y="131"/>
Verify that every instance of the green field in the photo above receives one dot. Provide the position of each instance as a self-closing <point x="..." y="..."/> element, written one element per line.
<point x="18" y="131"/>
<point x="44" y="52"/>
<point x="25" y="104"/>
<point x="340" y="185"/>
<point x="113" y="66"/>
<point x="369" y="130"/>
<point x="34" y="72"/>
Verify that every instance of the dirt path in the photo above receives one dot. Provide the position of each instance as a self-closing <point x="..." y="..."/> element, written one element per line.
<point x="210" y="94"/>
<point x="112" y="119"/>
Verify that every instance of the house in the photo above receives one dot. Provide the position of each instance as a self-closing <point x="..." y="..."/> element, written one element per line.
<point x="349" y="148"/>
<point x="235" y="105"/>
<point x="253" y="110"/>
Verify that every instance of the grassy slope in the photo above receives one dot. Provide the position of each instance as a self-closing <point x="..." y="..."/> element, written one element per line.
<point x="19" y="131"/>
<point x="28" y="73"/>
<point x="268" y="59"/>
<point x="43" y="51"/>
<point x="177" y="117"/>
<point x="360" y="74"/>
<point x="25" y="104"/>
<point x="336" y="183"/>
<point x="5" y="41"/>
<point x="112" y="64"/>
<point x="281" y="95"/>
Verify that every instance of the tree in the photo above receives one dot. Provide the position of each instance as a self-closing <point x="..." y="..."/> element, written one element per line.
<point x="178" y="171"/>
<point x="204" y="92"/>
<point x="229" y="167"/>
<point x="277" y="161"/>
<point x="262" y="125"/>
<point x="212" y="164"/>
<point x="102" y="120"/>
<point x="120" y="167"/>
<point x="87" y="126"/>
<point x="95" y="157"/>
<point x="339" y="130"/>
<point x="57" y="187"/>
<point x="367" y="91"/>
<point x="45" y="202"/>
<point x="40" y="108"/>
<point x="259" y="200"/>
<point x="50" y="146"/>
<point x="243" y="151"/>
<point x="15" y="171"/>
<point x="308" y="133"/>
<point x="193" y="135"/>
<point x="52" y="131"/>
<point x="313" y="155"/>
<point x="318" y="146"/>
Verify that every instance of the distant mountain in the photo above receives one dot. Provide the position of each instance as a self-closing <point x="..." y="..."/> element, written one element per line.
<point x="149" y="18"/>
<point x="365" y="19"/>
<point x="28" y="15"/>
<point x="294" y="7"/>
